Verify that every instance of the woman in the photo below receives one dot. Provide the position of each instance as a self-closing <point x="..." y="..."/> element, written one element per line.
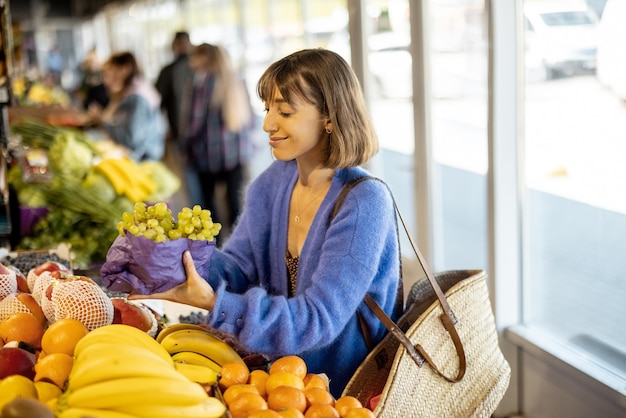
<point x="290" y="280"/>
<point x="132" y="117"/>
<point x="216" y="140"/>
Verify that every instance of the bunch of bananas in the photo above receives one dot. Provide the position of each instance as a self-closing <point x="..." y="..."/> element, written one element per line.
<point x="127" y="177"/>
<point x="120" y="371"/>
<point x="196" y="352"/>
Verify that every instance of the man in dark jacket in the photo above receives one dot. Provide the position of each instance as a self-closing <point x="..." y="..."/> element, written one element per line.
<point x="172" y="79"/>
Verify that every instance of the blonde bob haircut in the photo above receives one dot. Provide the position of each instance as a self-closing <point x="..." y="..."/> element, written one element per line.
<point x="324" y="79"/>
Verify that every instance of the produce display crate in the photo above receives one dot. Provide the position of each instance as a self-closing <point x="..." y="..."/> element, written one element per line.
<point x="62" y="251"/>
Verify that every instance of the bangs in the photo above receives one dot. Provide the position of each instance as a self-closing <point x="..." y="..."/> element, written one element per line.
<point x="290" y="79"/>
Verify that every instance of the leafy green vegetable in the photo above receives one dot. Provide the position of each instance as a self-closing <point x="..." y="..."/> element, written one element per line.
<point x="70" y="155"/>
<point x="167" y="182"/>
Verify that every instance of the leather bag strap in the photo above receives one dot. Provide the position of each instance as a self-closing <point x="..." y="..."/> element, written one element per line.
<point x="417" y="352"/>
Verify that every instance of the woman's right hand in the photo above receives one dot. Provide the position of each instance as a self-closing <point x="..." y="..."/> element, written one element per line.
<point x="195" y="291"/>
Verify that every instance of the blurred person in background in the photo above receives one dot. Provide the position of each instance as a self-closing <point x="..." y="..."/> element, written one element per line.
<point x="217" y="140"/>
<point x="91" y="88"/>
<point x="171" y="84"/>
<point x="133" y="116"/>
<point x="172" y="80"/>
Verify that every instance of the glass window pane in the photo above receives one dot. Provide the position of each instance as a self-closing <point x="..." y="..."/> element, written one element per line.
<point x="575" y="177"/>
<point x="458" y="56"/>
<point x="389" y="71"/>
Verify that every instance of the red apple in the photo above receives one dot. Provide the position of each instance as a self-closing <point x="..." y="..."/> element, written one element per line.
<point x="22" y="283"/>
<point x="29" y="301"/>
<point x="14" y="360"/>
<point x="132" y="313"/>
<point x="3" y="269"/>
<point x="48" y="266"/>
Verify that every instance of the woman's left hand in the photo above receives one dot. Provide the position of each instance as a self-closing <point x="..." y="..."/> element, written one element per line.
<point x="195" y="291"/>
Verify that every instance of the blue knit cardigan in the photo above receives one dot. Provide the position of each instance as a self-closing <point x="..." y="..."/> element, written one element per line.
<point x="357" y="253"/>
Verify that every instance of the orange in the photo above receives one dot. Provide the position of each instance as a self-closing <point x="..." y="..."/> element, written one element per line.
<point x="63" y="335"/>
<point x="321" y="411"/>
<point x="318" y="396"/>
<point x="360" y="413"/>
<point x="232" y="391"/>
<point x="286" y="397"/>
<point x="246" y="402"/>
<point x="22" y="326"/>
<point x="345" y="403"/>
<point x="316" y="380"/>
<point x="54" y="368"/>
<point x="258" y="378"/>
<point x="290" y="413"/>
<point x="290" y="364"/>
<point x="280" y="378"/>
<point x="233" y="373"/>
<point x="264" y="413"/>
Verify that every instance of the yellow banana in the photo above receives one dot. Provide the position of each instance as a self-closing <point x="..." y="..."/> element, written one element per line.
<point x="190" y="357"/>
<point x="101" y="362"/>
<point x="127" y="178"/>
<point x="111" y="394"/>
<point x="122" y="334"/>
<point x="92" y="413"/>
<point x="195" y="373"/>
<point x="177" y="327"/>
<point x="118" y="180"/>
<point x="202" y="342"/>
<point x="209" y="408"/>
<point x="138" y="176"/>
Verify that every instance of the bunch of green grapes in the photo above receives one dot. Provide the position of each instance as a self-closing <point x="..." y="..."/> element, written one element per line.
<point x="156" y="223"/>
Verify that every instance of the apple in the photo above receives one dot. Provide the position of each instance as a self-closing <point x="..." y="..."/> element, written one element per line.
<point x="49" y="266"/>
<point x="22" y="283"/>
<point x="132" y="313"/>
<point x="14" y="360"/>
<point x="4" y="269"/>
<point x="29" y="301"/>
<point x="8" y="283"/>
<point x="63" y="276"/>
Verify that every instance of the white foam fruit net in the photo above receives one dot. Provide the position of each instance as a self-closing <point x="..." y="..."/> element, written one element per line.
<point x="40" y="285"/>
<point x="81" y="300"/>
<point x="8" y="284"/>
<point x="31" y="278"/>
<point x="10" y="305"/>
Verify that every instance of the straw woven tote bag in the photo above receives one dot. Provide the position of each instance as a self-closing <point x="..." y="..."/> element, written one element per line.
<point x="442" y="357"/>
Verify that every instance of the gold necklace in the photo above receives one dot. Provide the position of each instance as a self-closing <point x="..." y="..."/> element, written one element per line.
<point x="297" y="216"/>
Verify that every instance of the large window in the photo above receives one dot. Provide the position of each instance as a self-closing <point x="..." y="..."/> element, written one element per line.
<point x="575" y="177"/>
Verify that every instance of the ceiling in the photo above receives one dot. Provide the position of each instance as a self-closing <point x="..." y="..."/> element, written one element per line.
<point x="24" y="9"/>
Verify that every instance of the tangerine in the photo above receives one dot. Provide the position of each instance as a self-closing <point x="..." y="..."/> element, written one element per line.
<point x="359" y="413"/>
<point x="287" y="397"/>
<point x="63" y="335"/>
<point x="290" y="364"/>
<point x="315" y="395"/>
<point x="264" y="413"/>
<point x="316" y="380"/>
<point x="290" y="413"/>
<point x="277" y="379"/>
<point x="321" y="411"/>
<point x="346" y="403"/>
<point x="54" y="368"/>
<point x="246" y="402"/>
<point x="233" y="373"/>
<point x="22" y="326"/>
<point x="232" y="391"/>
<point x="258" y="378"/>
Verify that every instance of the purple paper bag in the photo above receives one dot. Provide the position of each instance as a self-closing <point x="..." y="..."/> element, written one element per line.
<point x="137" y="265"/>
